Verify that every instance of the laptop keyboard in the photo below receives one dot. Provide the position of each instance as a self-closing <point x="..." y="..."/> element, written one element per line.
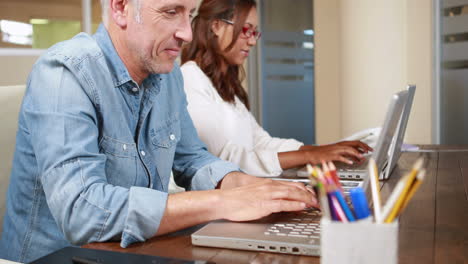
<point x="304" y="224"/>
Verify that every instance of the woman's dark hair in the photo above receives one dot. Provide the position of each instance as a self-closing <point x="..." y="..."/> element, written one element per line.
<point x="205" y="51"/>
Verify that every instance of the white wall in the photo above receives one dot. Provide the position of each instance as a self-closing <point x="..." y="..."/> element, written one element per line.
<point x="327" y="71"/>
<point x="377" y="47"/>
<point x="372" y="62"/>
<point x="420" y="65"/>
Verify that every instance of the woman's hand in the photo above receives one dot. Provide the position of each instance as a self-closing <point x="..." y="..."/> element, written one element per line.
<point x="344" y="151"/>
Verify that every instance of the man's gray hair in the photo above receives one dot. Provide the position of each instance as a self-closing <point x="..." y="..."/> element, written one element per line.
<point x="105" y="11"/>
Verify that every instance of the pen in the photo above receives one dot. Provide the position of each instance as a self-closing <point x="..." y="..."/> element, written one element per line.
<point x="375" y="188"/>
<point x="414" y="188"/>
<point x="408" y="182"/>
<point x="313" y="173"/>
<point x="344" y="206"/>
<point x="333" y="211"/>
<point x="320" y="191"/>
<point x="326" y="171"/>
<point x="393" y="197"/>
<point x="80" y="260"/>
<point x="360" y="204"/>
<point x="320" y="176"/>
<point x="328" y="175"/>
<point x="324" y="205"/>
<point x="335" y="176"/>
<point x="338" y="210"/>
<point x="313" y="180"/>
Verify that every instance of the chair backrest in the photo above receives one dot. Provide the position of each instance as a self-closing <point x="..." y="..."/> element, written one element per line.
<point x="10" y="102"/>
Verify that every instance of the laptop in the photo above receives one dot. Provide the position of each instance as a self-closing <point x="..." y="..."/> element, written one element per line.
<point x="395" y="147"/>
<point x="387" y="150"/>
<point x="291" y="232"/>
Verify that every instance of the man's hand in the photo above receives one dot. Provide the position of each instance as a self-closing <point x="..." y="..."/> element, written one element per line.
<point x="242" y="197"/>
<point x="237" y="179"/>
<point x="267" y="196"/>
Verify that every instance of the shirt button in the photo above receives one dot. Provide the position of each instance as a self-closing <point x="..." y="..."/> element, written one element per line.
<point x="142" y="153"/>
<point x="172" y="137"/>
<point x="124" y="146"/>
<point x="134" y="89"/>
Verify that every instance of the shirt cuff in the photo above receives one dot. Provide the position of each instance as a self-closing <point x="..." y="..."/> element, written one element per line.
<point x="290" y="145"/>
<point x="208" y="177"/>
<point x="145" y="211"/>
<point x="275" y="169"/>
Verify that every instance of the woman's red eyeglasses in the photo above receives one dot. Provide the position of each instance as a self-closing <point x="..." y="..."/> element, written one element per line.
<point x="246" y="30"/>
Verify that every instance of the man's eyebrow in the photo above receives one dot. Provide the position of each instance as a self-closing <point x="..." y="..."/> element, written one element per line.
<point x="173" y="6"/>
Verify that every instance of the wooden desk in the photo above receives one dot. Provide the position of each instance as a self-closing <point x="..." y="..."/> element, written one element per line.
<point x="433" y="228"/>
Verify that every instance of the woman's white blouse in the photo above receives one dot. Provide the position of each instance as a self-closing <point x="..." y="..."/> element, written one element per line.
<point x="229" y="130"/>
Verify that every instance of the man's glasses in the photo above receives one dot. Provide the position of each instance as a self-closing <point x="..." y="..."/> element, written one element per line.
<point x="246" y="30"/>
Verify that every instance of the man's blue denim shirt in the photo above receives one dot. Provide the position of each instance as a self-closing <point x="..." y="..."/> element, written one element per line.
<point x="94" y="152"/>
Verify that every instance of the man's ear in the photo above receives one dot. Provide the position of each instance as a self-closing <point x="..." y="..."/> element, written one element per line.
<point x="119" y="12"/>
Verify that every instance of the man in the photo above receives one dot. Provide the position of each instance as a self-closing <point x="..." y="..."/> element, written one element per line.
<point x="103" y="123"/>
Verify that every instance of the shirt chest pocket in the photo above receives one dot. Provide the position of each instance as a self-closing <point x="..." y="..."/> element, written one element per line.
<point x="166" y="136"/>
<point x="121" y="162"/>
<point x="164" y="140"/>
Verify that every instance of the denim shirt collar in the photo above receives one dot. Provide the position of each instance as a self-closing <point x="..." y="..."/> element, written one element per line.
<point x="118" y="70"/>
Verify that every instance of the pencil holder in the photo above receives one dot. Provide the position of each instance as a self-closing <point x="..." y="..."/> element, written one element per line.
<point x="359" y="242"/>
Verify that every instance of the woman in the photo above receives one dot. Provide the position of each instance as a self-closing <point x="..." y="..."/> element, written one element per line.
<point x="224" y="31"/>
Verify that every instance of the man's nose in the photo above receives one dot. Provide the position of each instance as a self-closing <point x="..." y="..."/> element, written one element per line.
<point x="185" y="31"/>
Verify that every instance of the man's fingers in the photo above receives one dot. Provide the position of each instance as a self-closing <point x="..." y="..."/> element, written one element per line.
<point x="276" y="206"/>
<point x="298" y="185"/>
<point x="292" y="194"/>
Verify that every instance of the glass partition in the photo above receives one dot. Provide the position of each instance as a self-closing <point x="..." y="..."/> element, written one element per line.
<point x="287" y="69"/>
<point x="454" y="72"/>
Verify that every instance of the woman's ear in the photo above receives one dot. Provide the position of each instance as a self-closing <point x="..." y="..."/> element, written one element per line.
<point x="217" y="28"/>
<point x="119" y="12"/>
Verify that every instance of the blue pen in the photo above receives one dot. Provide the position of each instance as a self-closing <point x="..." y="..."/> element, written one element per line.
<point x="344" y="206"/>
<point x="334" y="216"/>
<point x="359" y="200"/>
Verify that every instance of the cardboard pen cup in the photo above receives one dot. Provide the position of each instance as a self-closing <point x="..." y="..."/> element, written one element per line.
<point x="359" y="242"/>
